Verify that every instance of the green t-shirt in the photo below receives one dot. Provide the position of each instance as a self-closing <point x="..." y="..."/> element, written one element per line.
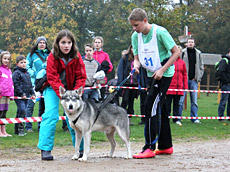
<point x="165" y="43"/>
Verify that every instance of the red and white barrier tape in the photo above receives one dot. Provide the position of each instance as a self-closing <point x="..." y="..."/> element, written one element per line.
<point x="212" y="117"/>
<point x="20" y="120"/>
<point x="88" y="88"/>
<point x="39" y="119"/>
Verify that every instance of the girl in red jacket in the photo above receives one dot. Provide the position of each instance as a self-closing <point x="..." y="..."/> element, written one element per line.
<point x="64" y="68"/>
<point x="179" y="81"/>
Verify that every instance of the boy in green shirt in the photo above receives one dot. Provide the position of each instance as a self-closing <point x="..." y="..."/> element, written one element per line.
<point x="156" y="51"/>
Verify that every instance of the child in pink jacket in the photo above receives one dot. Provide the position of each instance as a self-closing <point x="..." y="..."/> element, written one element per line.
<point x="6" y="88"/>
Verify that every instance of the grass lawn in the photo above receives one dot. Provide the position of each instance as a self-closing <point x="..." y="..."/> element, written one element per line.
<point x="209" y="129"/>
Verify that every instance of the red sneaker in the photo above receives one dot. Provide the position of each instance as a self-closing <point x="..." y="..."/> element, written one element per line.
<point x="168" y="151"/>
<point x="148" y="153"/>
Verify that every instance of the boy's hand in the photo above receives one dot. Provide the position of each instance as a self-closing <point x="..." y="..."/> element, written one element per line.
<point x="33" y="97"/>
<point x="23" y="97"/>
<point x="136" y="70"/>
<point x="158" y="74"/>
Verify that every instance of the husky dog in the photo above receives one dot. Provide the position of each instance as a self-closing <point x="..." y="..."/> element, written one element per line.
<point x="83" y="119"/>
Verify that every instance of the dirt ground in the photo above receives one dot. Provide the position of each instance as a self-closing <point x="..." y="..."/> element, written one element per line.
<point x="208" y="156"/>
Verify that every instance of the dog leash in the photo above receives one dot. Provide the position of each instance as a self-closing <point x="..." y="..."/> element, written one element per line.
<point x="113" y="91"/>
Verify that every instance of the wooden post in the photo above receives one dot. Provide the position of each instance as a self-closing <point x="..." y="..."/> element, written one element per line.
<point x="185" y="101"/>
<point x="219" y="95"/>
<point x="208" y="79"/>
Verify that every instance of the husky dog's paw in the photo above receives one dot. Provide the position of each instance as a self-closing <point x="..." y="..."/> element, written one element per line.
<point x="75" y="157"/>
<point x="128" y="157"/>
<point x="82" y="159"/>
<point x="106" y="155"/>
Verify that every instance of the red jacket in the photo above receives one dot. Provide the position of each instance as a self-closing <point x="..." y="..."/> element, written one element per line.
<point x="100" y="56"/>
<point x="75" y="73"/>
<point x="179" y="79"/>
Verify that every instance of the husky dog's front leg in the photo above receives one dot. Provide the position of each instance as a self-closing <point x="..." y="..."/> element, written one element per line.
<point x="78" y="138"/>
<point x="87" y="139"/>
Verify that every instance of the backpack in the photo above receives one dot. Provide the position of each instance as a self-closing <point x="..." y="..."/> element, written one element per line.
<point x="217" y="69"/>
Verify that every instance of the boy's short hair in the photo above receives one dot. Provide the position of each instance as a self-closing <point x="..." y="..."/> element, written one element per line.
<point x="138" y="14"/>
<point x="191" y="39"/>
<point x="88" y="45"/>
<point x="20" y="58"/>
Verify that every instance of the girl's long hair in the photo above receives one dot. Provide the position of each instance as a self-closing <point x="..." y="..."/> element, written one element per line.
<point x="129" y="53"/>
<point x="1" y="56"/>
<point x="56" y="49"/>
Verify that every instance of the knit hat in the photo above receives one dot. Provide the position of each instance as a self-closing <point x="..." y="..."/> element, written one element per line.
<point x="41" y="38"/>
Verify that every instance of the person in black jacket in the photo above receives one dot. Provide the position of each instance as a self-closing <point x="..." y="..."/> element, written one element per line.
<point x="124" y="68"/>
<point x="22" y="88"/>
<point x="224" y="68"/>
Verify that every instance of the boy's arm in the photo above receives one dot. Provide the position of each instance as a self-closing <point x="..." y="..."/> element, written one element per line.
<point x="137" y="63"/>
<point x="159" y="73"/>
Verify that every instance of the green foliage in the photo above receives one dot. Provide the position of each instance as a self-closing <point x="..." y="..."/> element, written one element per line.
<point x="23" y="21"/>
<point x="211" y="26"/>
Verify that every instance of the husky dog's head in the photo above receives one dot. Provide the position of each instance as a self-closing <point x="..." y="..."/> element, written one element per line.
<point x="71" y="100"/>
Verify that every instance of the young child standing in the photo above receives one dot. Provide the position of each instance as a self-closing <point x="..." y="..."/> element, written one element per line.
<point x="91" y="66"/>
<point x="64" y="68"/>
<point x="6" y="88"/>
<point x="22" y="88"/>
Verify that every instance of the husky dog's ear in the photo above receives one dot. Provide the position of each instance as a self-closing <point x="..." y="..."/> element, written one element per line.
<point x="80" y="91"/>
<point x="61" y="91"/>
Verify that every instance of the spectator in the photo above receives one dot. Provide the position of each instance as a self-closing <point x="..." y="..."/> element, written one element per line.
<point x="144" y="82"/>
<point x="64" y="65"/>
<point x="103" y="58"/>
<point x="22" y="88"/>
<point x="179" y="81"/>
<point x="6" y="88"/>
<point x="195" y="69"/>
<point x="224" y="68"/>
<point x="125" y="66"/>
<point x="92" y="67"/>
<point x="35" y="61"/>
<point x="156" y="51"/>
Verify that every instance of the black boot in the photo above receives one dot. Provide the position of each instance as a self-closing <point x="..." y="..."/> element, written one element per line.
<point x="21" y="131"/>
<point x="46" y="155"/>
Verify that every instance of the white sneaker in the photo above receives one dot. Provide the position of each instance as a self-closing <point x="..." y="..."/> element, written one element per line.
<point x="179" y="123"/>
<point x="197" y="122"/>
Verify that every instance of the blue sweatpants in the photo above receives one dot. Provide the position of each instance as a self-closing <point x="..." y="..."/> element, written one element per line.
<point x="49" y="121"/>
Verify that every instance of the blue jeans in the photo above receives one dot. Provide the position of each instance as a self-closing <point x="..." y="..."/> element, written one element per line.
<point x="224" y="98"/>
<point x="21" y="112"/>
<point x="29" y="112"/>
<point x="192" y="85"/>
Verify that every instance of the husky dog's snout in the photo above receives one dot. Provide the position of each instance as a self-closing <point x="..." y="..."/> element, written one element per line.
<point x="70" y="107"/>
